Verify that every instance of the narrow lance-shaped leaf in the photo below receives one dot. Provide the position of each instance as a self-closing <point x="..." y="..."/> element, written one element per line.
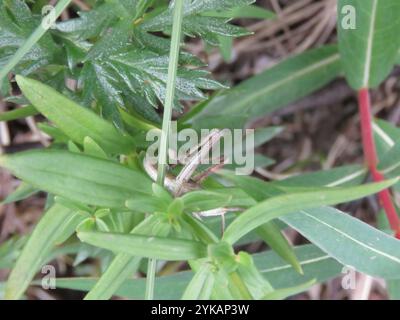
<point x="368" y="40"/>
<point x="257" y="285"/>
<point x="270" y="90"/>
<point x="145" y="246"/>
<point x="39" y="245"/>
<point x="23" y="191"/>
<point x="200" y="287"/>
<point x="278" y="206"/>
<point x="75" y="121"/>
<point x="78" y="177"/>
<point x="348" y="240"/>
<point x="272" y="235"/>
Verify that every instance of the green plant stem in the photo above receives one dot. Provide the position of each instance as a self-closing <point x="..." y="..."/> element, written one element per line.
<point x="169" y="101"/>
<point x="33" y="39"/>
<point x="371" y="159"/>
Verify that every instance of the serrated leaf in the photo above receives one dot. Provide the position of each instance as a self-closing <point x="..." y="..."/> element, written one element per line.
<point x="143" y="74"/>
<point x="90" y="23"/>
<point x="194" y="24"/>
<point x="79" y="177"/>
<point x="369" y="48"/>
<point x="16" y="25"/>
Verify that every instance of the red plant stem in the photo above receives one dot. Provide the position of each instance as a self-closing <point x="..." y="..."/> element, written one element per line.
<point x="371" y="159"/>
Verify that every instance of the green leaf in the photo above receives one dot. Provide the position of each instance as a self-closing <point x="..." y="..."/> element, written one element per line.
<point x="369" y="48"/>
<point x="238" y="198"/>
<point x="385" y="135"/>
<point x="121" y="267"/>
<point x="16" y="25"/>
<point x="10" y="250"/>
<point x="91" y="148"/>
<point x="255" y="282"/>
<point x="145" y="246"/>
<point x="340" y="176"/>
<point x="270" y="90"/>
<point x="55" y="133"/>
<point x="348" y="240"/>
<point x="390" y="161"/>
<point x="149" y="204"/>
<point x="200" y="287"/>
<point x="39" y="245"/>
<point x="393" y="287"/>
<point x="137" y="76"/>
<point x="277" y="206"/>
<point x="196" y="24"/>
<point x="272" y="235"/>
<point x="203" y="232"/>
<point x="74" y="120"/>
<point x="203" y="200"/>
<point x="91" y="23"/>
<point x="259" y="189"/>
<point x="287" y="292"/>
<point x="315" y="263"/>
<point x="79" y="177"/>
<point x="251" y="11"/>
<point x="18" y="113"/>
<point x="23" y="191"/>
